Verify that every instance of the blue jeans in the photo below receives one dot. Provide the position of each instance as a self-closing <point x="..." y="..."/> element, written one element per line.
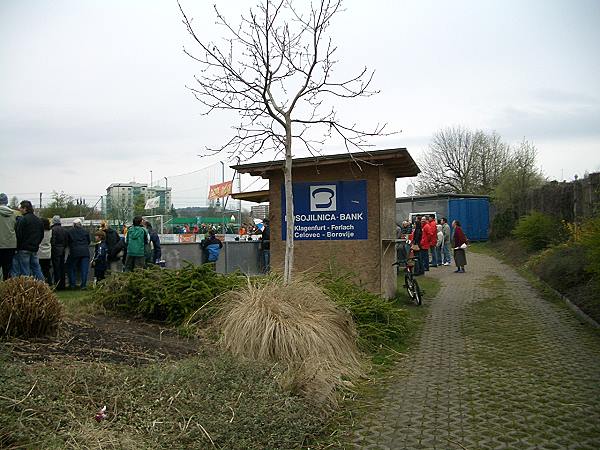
<point x="27" y="264"/>
<point x="434" y="260"/>
<point x="266" y="260"/>
<point x="438" y="255"/>
<point x="84" y="266"/>
<point x="424" y="258"/>
<point x="446" y="253"/>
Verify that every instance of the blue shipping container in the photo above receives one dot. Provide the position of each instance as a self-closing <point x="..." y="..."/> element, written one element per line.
<point x="473" y="214"/>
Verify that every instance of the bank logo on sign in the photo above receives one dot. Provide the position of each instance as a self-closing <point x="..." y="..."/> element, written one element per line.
<point x="323" y="197"/>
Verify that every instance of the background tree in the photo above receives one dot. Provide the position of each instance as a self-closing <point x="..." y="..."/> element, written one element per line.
<point x="449" y="163"/>
<point x="65" y="205"/>
<point x="519" y="176"/>
<point x="121" y="211"/>
<point x="139" y="202"/>
<point x="463" y="161"/>
<point x="276" y="70"/>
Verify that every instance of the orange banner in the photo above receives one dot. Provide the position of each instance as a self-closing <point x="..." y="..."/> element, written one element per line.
<point x="219" y="190"/>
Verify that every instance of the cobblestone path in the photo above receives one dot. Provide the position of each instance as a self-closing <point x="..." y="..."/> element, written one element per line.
<point x="497" y="367"/>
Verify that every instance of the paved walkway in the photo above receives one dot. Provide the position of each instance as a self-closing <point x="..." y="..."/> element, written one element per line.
<point x="497" y="367"/>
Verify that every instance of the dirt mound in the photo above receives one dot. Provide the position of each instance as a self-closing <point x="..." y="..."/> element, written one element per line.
<point x="105" y="339"/>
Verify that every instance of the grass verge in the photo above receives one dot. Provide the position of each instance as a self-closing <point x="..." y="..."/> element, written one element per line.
<point x="208" y="401"/>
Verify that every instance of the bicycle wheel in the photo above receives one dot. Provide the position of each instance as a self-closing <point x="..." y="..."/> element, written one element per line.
<point x="418" y="298"/>
<point x="409" y="284"/>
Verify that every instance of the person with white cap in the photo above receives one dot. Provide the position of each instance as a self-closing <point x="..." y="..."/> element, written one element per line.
<point x="58" y="248"/>
<point x="79" y="254"/>
<point x="8" y="237"/>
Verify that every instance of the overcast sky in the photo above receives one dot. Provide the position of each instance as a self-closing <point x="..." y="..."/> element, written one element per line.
<point x="93" y="92"/>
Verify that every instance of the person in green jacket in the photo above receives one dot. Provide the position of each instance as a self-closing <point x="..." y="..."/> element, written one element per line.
<point x="136" y="240"/>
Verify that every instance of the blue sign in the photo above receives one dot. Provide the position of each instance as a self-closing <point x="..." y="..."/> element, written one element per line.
<point x="332" y="211"/>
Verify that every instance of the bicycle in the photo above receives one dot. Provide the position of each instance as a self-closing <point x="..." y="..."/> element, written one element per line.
<point x="410" y="283"/>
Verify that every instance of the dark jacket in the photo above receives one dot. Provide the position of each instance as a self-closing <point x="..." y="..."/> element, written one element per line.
<point x="417" y="234"/>
<point x="79" y="242"/>
<point x="112" y="237"/>
<point x="30" y="232"/>
<point x="266" y="238"/>
<point x="59" y="240"/>
<point x="156" y="252"/>
<point x="101" y="256"/>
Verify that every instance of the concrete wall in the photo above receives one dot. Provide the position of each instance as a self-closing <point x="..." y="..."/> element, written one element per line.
<point x="406" y="206"/>
<point x="363" y="257"/>
<point x="243" y="256"/>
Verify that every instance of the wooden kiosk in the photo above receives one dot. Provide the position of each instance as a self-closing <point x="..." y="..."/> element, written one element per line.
<point x="345" y="212"/>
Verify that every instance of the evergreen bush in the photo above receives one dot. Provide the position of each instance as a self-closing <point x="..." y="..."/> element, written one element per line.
<point x="380" y="322"/>
<point x="503" y="225"/>
<point x="169" y="295"/>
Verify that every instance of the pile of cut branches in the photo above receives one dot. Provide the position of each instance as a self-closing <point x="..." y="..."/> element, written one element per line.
<point x="169" y="295"/>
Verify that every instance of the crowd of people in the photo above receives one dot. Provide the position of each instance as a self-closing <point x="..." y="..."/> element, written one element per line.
<point x="428" y="242"/>
<point x="44" y="249"/>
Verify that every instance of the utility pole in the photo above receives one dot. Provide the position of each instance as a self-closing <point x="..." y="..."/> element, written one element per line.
<point x="150" y="188"/>
<point x="40" y="200"/>
<point x="240" y="201"/>
<point x="223" y="198"/>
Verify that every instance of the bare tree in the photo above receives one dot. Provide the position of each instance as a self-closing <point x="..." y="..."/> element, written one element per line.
<point x="491" y="160"/>
<point x="120" y="209"/>
<point x="463" y="161"/>
<point x="449" y="163"/>
<point x="275" y="70"/>
<point x="520" y="175"/>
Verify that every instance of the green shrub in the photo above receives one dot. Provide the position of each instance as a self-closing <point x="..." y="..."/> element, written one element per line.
<point x="537" y="231"/>
<point x="28" y="308"/>
<point x="379" y="322"/>
<point x="165" y="294"/>
<point x="562" y="267"/>
<point x="503" y="225"/>
<point x="590" y="239"/>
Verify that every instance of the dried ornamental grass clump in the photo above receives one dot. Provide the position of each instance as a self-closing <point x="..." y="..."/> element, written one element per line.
<point x="28" y="308"/>
<point x="295" y="325"/>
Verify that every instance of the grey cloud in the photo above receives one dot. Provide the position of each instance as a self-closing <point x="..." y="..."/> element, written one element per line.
<point x="560" y="97"/>
<point x="574" y="122"/>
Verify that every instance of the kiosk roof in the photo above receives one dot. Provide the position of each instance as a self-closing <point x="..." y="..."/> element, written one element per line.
<point x="397" y="160"/>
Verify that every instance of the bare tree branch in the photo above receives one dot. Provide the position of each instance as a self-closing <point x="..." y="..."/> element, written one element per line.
<point x="275" y="70"/>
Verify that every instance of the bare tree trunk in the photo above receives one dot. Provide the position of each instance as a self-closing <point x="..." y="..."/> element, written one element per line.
<point x="289" y="204"/>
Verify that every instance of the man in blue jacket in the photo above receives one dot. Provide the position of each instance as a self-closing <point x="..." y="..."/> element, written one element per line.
<point x="212" y="247"/>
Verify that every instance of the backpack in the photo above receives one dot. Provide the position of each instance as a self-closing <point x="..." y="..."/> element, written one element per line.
<point x="213" y="252"/>
<point x="113" y="253"/>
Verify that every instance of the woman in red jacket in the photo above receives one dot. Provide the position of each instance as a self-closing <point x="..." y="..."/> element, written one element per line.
<point x="460" y="256"/>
